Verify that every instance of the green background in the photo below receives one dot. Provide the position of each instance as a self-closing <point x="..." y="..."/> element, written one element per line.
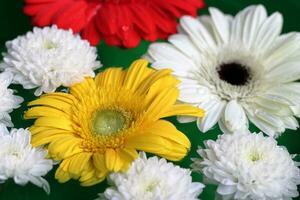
<point x="14" y="23"/>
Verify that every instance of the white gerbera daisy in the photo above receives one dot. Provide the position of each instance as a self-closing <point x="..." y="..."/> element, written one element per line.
<point x="48" y="58"/>
<point x="249" y="167"/>
<point x="7" y="99"/>
<point x="152" y="179"/>
<point x="18" y="160"/>
<point x="236" y="68"/>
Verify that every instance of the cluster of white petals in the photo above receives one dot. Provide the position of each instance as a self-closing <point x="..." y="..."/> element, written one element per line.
<point x="47" y="58"/>
<point x="152" y="179"/>
<point x="20" y="161"/>
<point x="8" y="101"/>
<point x="236" y="68"/>
<point x="249" y="166"/>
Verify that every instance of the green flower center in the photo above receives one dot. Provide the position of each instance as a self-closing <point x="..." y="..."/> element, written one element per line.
<point x="254" y="156"/>
<point x="151" y="186"/>
<point x="50" y="45"/>
<point x="108" y="122"/>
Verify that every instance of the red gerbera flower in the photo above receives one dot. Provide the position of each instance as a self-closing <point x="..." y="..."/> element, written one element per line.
<point x="118" y="22"/>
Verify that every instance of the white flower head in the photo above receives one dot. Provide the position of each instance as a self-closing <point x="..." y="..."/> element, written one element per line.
<point x="152" y="179"/>
<point x="47" y="58"/>
<point x="236" y="68"/>
<point x="249" y="167"/>
<point x="7" y="99"/>
<point x="20" y="161"/>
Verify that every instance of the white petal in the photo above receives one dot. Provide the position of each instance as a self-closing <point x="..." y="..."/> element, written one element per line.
<point x="271" y="119"/>
<point x="225" y="189"/>
<point x="286" y="72"/>
<point x="185" y="45"/>
<point x="237" y="25"/>
<point x="290" y="91"/>
<point x="265" y="127"/>
<point x="168" y="53"/>
<point x="273" y="103"/>
<point x="198" y="33"/>
<point x="253" y="22"/>
<point x="221" y="23"/>
<point x="40" y="182"/>
<point x="21" y="180"/>
<point x="234" y="117"/>
<point x="283" y="49"/>
<point x="268" y="32"/>
<point x="179" y="70"/>
<point x="290" y="123"/>
<point x="183" y="119"/>
<point x="192" y="93"/>
<point x="214" y="110"/>
<point x="3" y="130"/>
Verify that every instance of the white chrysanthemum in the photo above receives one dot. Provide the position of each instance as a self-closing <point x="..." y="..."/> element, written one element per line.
<point x="249" y="167"/>
<point x="18" y="160"/>
<point x="235" y="68"/>
<point x="48" y="58"/>
<point x="152" y="179"/>
<point x="8" y="101"/>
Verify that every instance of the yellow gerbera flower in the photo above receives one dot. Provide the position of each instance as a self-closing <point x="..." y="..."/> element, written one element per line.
<point x="102" y="123"/>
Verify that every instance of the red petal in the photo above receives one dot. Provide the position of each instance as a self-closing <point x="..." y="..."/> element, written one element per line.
<point x="163" y="22"/>
<point x="142" y="18"/>
<point x="72" y="16"/>
<point x="130" y="38"/>
<point x="106" y="19"/>
<point x="91" y="33"/>
<point x="45" y="16"/>
<point x="180" y="7"/>
<point x="112" y="40"/>
<point x="38" y="1"/>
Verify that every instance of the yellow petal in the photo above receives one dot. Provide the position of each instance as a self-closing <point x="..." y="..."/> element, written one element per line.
<point x="53" y="122"/>
<point x="79" y="89"/>
<point x="132" y="153"/>
<point x="173" y="156"/>
<point x="47" y="136"/>
<point x="183" y="109"/>
<point x="148" y="143"/>
<point x="78" y="163"/>
<point x="90" y="176"/>
<point x="137" y="73"/>
<point x="161" y="103"/>
<point x="65" y="97"/>
<point x="92" y="181"/>
<point x="51" y="102"/>
<point x="62" y="176"/>
<point x="36" y="129"/>
<point x="112" y="160"/>
<point x="160" y="85"/>
<point x="167" y="130"/>
<point x="157" y="145"/>
<point x="99" y="162"/>
<point x="127" y="156"/>
<point x="65" y="147"/>
<point x="152" y="79"/>
<point x="113" y="77"/>
<point x="44" y="111"/>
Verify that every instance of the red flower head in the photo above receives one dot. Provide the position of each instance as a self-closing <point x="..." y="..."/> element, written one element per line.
<point x="118" y="22"/>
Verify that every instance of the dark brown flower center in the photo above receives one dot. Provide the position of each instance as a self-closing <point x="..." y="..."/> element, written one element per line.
<point x="234" y="74"/>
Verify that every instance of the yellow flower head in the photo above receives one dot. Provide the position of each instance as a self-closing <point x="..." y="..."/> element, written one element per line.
<point x="99" y="126"/>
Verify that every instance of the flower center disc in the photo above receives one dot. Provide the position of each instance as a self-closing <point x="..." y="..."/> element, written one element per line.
<point x="234" y="74"/>
<point x="254" y="156"/>
<point x="108" y="122"/>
